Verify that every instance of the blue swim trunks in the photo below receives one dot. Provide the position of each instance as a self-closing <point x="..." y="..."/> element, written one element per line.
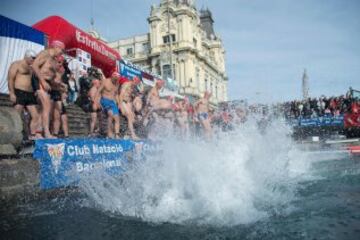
<point x="203" y="116"/>
<point x="110" y="105"/>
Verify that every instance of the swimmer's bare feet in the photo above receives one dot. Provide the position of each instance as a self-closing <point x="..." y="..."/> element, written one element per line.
<point x="135" y="138"/>
<point x="49" y="136"/>
<point x="35" y="136"/>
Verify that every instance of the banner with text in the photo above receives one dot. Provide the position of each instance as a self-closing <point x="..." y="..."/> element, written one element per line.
<point x="129" y="71"/>
<point x="335" y="121"/>
<point x="63" y="162"/>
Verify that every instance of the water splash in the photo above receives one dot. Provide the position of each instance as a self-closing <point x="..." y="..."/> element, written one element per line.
<point x="239" y="177"/>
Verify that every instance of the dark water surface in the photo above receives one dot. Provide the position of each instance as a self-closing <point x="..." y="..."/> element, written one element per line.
<point x="327" y="207"/>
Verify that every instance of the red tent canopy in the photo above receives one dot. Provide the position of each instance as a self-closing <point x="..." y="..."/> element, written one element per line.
<point x="57" y="28"/>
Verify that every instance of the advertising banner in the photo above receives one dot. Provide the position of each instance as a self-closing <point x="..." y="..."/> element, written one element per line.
<point x="63" y="162"/>
<point x="129" y="71"/>
<point x="336" y="121"/>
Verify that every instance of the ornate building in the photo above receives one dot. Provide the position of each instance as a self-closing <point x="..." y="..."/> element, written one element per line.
<point x="182" y="47"/>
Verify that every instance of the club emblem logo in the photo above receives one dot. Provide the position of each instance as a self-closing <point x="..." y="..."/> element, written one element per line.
<point x="56" y="153"/>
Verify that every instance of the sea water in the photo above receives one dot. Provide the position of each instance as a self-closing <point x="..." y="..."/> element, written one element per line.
<point x="243" y="184"/>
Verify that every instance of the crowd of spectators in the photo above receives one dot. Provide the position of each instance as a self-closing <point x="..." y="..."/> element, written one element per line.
<point x="318" y="107"/>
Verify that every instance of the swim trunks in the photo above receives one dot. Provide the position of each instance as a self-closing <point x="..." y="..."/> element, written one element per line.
<point x="55" y="95"/>
<point x="203" y="116"/>
<point x="35" y="83"/>
<point x="109" y="105"/>
<point x="25" y="98"/>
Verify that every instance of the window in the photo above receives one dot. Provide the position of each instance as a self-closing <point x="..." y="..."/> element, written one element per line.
<point x="166" y="71"/>
<point x="195" y="42"/>
<point x="129" y="51"/>
<point x="145" y="47"/>
<point x="166" y="38"/>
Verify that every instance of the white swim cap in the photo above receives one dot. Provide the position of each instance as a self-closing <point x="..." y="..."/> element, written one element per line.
<point x="30" y="53"/>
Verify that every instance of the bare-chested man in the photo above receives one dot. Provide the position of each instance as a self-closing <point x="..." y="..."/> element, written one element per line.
<point x="45" y="72"/>
<point x="95" y="107"/>
<point x="202" y="112"/>
<point x="58" y="89"/>
<point x="182" y="117"/>
<point x="154" y="102"/>
<point x="21" y="92"/>
<point x="109" y="90"/>
<point x="125" y="103"/>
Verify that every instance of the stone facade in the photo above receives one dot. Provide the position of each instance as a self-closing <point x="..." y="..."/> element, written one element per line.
<point x="198" y="55"/>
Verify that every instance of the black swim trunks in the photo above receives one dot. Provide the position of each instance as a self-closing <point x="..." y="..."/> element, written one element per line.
<point x="35" y="82"/>
<point x="25" y="98"/>
<point x="86" y="105"/>
<point x="55" y="95"/>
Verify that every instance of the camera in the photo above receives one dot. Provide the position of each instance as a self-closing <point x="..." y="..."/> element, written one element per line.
<point x="93" y="73"/>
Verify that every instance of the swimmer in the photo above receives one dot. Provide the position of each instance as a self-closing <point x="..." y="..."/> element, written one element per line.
<point x="57" y="94"/>
<point x="44" y="68"/>
<point x="202" y="113"/>
<point x="21" y="92"/>
<point x="125" y="103"/>
<point x="154" y="102"/>
<point x="108" y="90"/>
<point x="95" y="106"/>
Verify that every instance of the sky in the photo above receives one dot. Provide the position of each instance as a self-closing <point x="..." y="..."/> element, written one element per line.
<point x="268" y="43"/>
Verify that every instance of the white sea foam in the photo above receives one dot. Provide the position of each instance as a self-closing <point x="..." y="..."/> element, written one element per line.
<point x="238" y="177"/>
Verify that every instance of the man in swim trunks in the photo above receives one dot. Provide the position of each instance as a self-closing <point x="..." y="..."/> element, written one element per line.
<point x="94" y="108"/>
<point x="202" y="113"/>
<point x="44" y="68"/>
<point x="109" y="89"/>
<point x="21" y="92"/>
<point x="154" y="102"/>
<point x="125" y="103"/>
<point x="58" y="89"/>
<point x="182" y="117"/>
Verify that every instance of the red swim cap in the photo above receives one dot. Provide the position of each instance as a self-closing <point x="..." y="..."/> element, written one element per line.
<point x="60" y="58"/>
<point x="136" y="80"/>
<point x="115" y="75"/>
<point x="123" y="80"/>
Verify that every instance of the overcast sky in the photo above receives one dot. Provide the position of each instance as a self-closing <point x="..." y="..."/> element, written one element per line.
<point x="268" y="42"/>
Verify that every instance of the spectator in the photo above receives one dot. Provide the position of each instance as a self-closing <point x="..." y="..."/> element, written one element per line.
<point x="72" y="89"/>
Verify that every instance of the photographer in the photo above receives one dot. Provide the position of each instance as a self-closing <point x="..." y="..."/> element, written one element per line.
<point x="72" y="89"/>
<point x="85" y="82"/>
<point x="89" y="99"/>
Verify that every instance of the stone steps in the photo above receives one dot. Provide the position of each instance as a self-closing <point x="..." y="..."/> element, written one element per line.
<point x="78" y="120"/>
